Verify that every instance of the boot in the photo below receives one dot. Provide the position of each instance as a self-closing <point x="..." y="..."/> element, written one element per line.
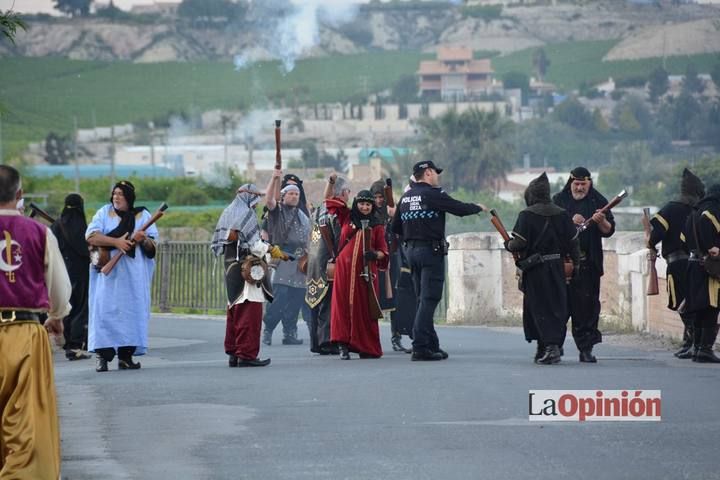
<point x="551" y="355"/>
<point x="232" y="360"/>
<point x="290" y="338"/>
<point x="344" y="353"/>
<point x="586" y="356"/>
<point x="540" y="351"/>
<point x="128" y="364"/>
<point x="693" y="350"/>
<point x="101" y="365"/>
<point x="397" y="345"/>
<point x="707" y="340"/>
<point x="687" y="343"/>
<point x="267" y="337"/>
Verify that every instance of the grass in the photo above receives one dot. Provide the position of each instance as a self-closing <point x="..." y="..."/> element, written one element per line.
<point x="40" y="95"/>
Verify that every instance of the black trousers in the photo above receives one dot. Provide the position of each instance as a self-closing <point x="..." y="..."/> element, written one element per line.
<point x="428" y="276"/>
<point x="75" y="325"/>
<point x="320" y="323"/>
<point x="584" y="307"/>
<point x="123" y="353"/>
<point x="706" y="318"/>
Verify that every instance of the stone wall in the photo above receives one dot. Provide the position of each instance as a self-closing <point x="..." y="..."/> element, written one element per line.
<point x="482" y="284"/>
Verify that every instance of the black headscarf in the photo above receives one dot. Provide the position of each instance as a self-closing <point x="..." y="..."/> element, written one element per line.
<point x="356" y="216"/>
<point x="579" y="173"/>
<point x="127" y="218"/>
<point x="376" y="188"/>
<point x="692" y="188"/>
<point x="71" y="225"/>
<point x="302" y="205"/>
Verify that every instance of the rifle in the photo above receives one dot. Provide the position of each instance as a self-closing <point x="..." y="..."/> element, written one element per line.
<point x="497" y="223"/>
<point x="114" y="260"/>
<point x="652" y="286"/>
<point x="327" y="238"/>
<point x="278" y="157"/>
<point x="613" y="203"/>
<point x="35" y="210"/>
<point x="373" y="305"/>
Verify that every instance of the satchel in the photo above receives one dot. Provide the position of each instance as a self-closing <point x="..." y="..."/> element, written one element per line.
<point x="712" y="266"/>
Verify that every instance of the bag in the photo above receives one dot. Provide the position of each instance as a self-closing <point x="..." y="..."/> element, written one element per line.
<point x="440" y="248"/>
<point x="527" y="264"/>
<point x="330" y="271"/>
<point x="253" y="269"/>
<point x="712" y="266"/>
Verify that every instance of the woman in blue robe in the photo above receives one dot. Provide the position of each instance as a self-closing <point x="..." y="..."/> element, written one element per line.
<point x="120" y="301"/>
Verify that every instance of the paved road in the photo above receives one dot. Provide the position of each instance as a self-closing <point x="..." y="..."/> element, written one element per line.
<point x="186" y="415"/>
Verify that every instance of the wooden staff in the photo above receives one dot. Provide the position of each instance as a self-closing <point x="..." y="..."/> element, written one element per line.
<point x="278" y="156"/>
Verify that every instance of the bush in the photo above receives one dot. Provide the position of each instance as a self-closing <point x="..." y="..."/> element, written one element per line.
<point x="187" y="195"/>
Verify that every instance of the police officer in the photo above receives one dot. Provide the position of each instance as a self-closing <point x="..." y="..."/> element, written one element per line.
<point x="420" y="220"/>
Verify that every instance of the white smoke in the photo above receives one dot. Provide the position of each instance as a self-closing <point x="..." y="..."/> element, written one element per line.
<point x="298" y="29"/>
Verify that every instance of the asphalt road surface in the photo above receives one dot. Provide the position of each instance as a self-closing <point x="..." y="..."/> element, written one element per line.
<point x="186" y="415"/>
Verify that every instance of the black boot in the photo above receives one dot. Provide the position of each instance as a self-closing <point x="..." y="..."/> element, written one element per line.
<point x="125" y="361"/>
<point x="693" y="350"/>
<point x="101" y="365"/>
<point x="232" y="360"/>
<point x="687" y="343"/>
<point x="707" y="341"/>
<point x="551" y="355"/>
<point x="290" y="338"/>
<point x="267" y="337"/>
<point x="586" y="356"/>
<point x="344" y="353"/>
<point x="397" y="345"/>
<point x="540" y="351"/>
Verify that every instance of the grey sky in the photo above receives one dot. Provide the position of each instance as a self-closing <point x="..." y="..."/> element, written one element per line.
<point x="46" y="6"/>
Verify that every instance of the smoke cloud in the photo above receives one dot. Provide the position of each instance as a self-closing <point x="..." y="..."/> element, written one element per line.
<point x="290" y="28"/>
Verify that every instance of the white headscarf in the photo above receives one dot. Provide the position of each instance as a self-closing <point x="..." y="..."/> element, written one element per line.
<point x="240" y="216"/>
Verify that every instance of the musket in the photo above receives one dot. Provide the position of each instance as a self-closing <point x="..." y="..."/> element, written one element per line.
<point x="497" y="223"/>
<point x="278" y="156"/>
<point x="652" y="286"/>
<point x="114" y="260"/>
<point x="390" y="202"/>
<point x="373" y="305"/>
<point x="35" y="210"/>
<point x="612" y="204"/>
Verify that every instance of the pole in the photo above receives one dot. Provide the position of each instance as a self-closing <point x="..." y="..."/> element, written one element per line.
<point x="75" y="157"/>
<point x="1" y="151"/>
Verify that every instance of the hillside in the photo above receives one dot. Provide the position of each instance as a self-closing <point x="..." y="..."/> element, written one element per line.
<point x="419" y="27"/>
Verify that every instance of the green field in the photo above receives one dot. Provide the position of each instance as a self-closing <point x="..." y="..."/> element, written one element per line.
<point x="39" y="95"/>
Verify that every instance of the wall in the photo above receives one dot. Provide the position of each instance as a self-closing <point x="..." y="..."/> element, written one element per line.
<point x="482" y="284"/>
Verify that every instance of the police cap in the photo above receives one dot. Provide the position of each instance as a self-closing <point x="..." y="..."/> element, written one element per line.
<point x="420" y="167"/>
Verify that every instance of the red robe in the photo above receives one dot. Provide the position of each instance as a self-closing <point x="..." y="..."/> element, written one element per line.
<point x="350" y="321"/>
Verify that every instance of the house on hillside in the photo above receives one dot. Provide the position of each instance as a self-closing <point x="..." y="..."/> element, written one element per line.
<point x="455" y="75"/>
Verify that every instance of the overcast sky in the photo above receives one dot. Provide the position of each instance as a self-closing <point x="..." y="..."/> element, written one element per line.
<point x="46" y="6"/>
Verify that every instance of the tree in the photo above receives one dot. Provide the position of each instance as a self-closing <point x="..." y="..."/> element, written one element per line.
<point x="658" y="83"/>
<point x="679" y="115"/>
<point x="632" y="115"/>
<point x="208" y="12"/>
<point x="9" y="24"/>
<point x="540" y="63"/>
<point x="715" y="75"/>
<point x="74" y="8"/>
<point x="572" y="112"/>
<point x="405" y="89"/>
<point x="692" y="82"/>
<point x="476" y="146"/>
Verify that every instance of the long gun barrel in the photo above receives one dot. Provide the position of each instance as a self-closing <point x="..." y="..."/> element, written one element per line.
<point x="612" y="204"/>
<point x="35" y="210"/>
<point x="278" y="156"/>
<point x="497" y="223"/>
<point x="652" y="286"/>
<point x="114" y="260"/>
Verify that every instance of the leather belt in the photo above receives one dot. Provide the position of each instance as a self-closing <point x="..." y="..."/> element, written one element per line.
<point x="11" y="316"/>
<point x="676" y="257"/>
<point x="419" y="243"/>
<point x="551" y="256"/>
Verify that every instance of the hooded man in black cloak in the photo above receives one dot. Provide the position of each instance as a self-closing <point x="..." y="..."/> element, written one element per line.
<point x="580" y="199"/>
<point x="702" y="238"/>
<point x="667" y="226"/>
<point x="544" y="236"/>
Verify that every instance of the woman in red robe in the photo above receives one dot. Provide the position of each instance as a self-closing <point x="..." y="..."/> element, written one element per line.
<point x="351" y="327"/>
